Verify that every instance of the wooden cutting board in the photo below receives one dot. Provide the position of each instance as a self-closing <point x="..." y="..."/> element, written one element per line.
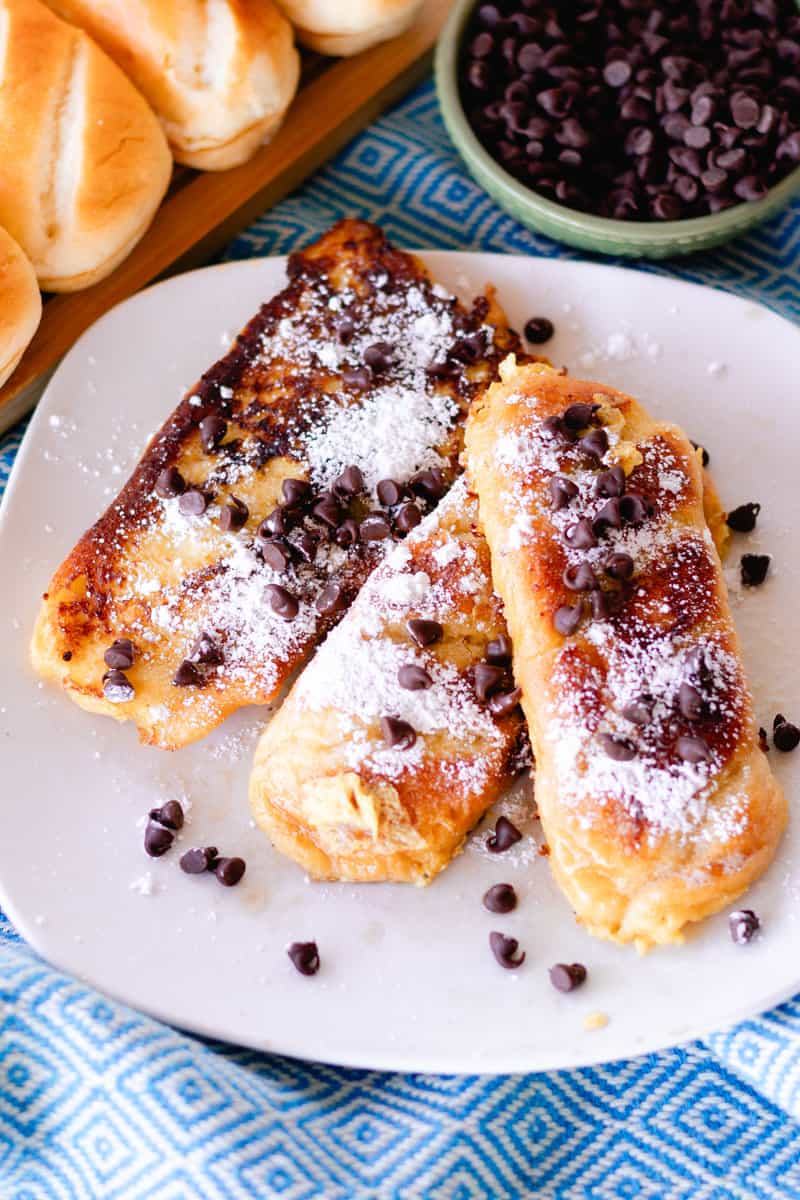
<point x="202" y="212"/>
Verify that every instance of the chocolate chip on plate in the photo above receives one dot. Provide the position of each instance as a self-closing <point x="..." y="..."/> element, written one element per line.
<point x="229" y="871"/>
<point x="120" y="654"/>
<point x="187" y="675"/>
<point x="295" y="492"/>
<point x="198" y="860"/>
<point x="743" y="518"/>
<point x="785" y="735"/>
<point x="407" y="518"/>
<point x="398" y="734"/>
<point x="212" y="432"/>
<point x="743" y="925"/>
<point x="503" y="703"/>
<point x="233" y="515"/>
<point x="331" y="599"/>
<point x="169" y="815"/>
<point x="565" y="977"/>
<point x="414" y="678"/>
<point x="504" y="836"/>
<point x="374" y="528"/>
<point x="488" y="679"/>
<point x="389" y="493"/>
<point x="170" y="483"/>
<point x="567" y="618"/>
<point x="423" y="632"/>
<point x="620" y="749"/>
<point x="498" y="651"/>
<point x="193" y="502"/>
<point x="157" y="839"/>
<point x="501" y="898"/>
<point x="753" y="569"/>
<point x="282" y="602"/>
<point x="304" y="957"/>
<point x="117" y="687"/>
<point x="504" y="949"/>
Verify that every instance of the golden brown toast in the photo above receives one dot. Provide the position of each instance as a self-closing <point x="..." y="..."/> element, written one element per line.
<point x="209" y="580"/>
<point x="658" y="805"/>
<point x="352" y="798"/>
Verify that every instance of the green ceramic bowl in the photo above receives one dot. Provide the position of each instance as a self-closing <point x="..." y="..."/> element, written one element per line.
<point x="636" y="239"/>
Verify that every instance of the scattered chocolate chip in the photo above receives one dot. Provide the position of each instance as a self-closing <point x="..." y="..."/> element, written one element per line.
<point x="117" y="687"/>
<point x="498" y="651"/>
<point x="389" y="493"/>
<point x="212" y="432"/>
<point x="347" y="534"/>
<point x="187" y="675"/>
<point x="743" y="518"/>
<point x="349" y="483"/>
<point x="610" y="483"/>
<point x="690" y="702"/>
<point x="639" y="711"/>
<point x="488" y="679"/>
<point x="567" y="618"/>
<point x="500" y="899"/>
<point x="379" y="356"/>
<point x="562" y="491"/>
<point x="470" y="348"/>
<point x="374" y="528"/>
<point x="505" y="836"/>
<point x="785" y="735"/>
<point x="539" y="330"/>
<point x="357" y="378"/>
<point x="345" y="329"/>
<point x="594" y="444"/>
<point x="743" y="925"/>
<point x="609" y="516"/>
<point x="503" y="703"/>
<point x="157" y="840"/>
<point x="193" y="502"/>
<point x="692" y="749"/>
<point x="633" y="508"/>
<point x="504" y="949"/>
<point x="282" y="602"/>
<point x="429" y="484"/>
<point x="304" y="957"/>
<point x="619" y="566"/>
<point x="407" y="518"/>
<point x="620" y="749"/>
<point x="67" y="656"/>
<point x="233" y="516"/>
<point x="120" y="654"/>
<point x="565" y="977"/>
<point x="754" y="568"/>
<point x="305" y="545"/>
<point x="581" y="535"/>
<point x="579" y="415"/>
<point x="275" y="554"/>
<point x="169" y="815"/>
<point x="414" y="678"/>
<point x="295" y="492"/>
<point x="579" y="578"/>
<point x="275" y="524"/>
<point x="398" y="734"/>
<point x="328" y="510"/>
<point x="424" y="633"/>
<point x="229" y="871"/>
<point x="170" y="483"/>
<point x="198" y="860"/>
<point x="763" y="743"/>
<point x="554" y="427"/>
<point x="331" y="599"/>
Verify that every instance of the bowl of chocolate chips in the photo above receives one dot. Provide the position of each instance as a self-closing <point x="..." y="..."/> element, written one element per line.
<point x="635" y="127"/>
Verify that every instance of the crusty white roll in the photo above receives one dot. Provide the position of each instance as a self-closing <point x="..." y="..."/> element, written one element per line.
<point x="332" y="27"/>
<point x="219" y="74"/>
<point x="20" y="304"/>
<point x="83" y="161"/>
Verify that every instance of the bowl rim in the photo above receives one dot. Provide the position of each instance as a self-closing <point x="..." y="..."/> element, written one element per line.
<point x="606" y="230"/>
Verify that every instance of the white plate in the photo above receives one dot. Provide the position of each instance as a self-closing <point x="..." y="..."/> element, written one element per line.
<point x="408" y="981"/>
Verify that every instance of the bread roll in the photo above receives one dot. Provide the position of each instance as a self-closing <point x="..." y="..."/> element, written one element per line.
<point x="341" y="29"/>
<point x="219" y="74"/>
<point x="20" y="304"/>
<point x="83" y="161"/>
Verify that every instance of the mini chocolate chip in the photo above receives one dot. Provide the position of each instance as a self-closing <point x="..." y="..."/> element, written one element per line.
<point x="345" y="329"/>
<point x="763" y="743"/>
<point x="503" y="703"/>
<point x="743" y="518"/>
<point x="617" y="73"/>
<point x="349" y="483"/>
<point x="305" y="545"/>
<point x="609" y="516"/>
<point x="639" y="711"/>
<point x="579" y="578"/>
<point x="610" y="483"/>
<point x="408" y="517"/>
<point x="620" y="566"/>
<point x="500" y="899"/>
<point x="470" y="348"/>
<point x="429" y="484"/>
<point x="120" y="654"/>
<point x="275" y="554"/>
<point x="358" y="378"/>
<point x="304" y="957"/>
<point x="692" y="749"/>
<point x="282" y="602"/>
<point x="488" y="679"/>
<point x="633" y="508"/>
<point x="579" y="415"/>
<point x="233" y="516"/>
<point x="565" y="977"/>
<point x="498" y="651"/>
<point x="567" y="618"/>
<point x="170" y="483"/>
<point x="169" y="815"/>
<point x="295" y="492"/>
<point x="504" y="948"/>
<point x="690" y="702"/>
<point x="207" y="650"/>
<point x="193" y="503"/>
<point x="539" y="330"/>
<point x="157" y="840"/>
<point x="581" y="535"/>
<point x="212" y="432"/>
<point x="229" y="871"/>
<point x="374" y="528"/>
<point x="743" y="925"/>
<point x="754" y="568"/>
<point x="414" y="678"/>
<point x="347" y="534"/>
<point x="554" y="427"/>
<point x="398" y="734"/>
<point x="595" y="444"/>
<point x="274" y="524"/>
<point x="379" y="356"/>
<point x="187" y="675"/>
<point x="67" y="656"/>
<point x="505" y="836"/>
<point x="117" y="687"/>
<point x="389" y="493"/>
<point x="331" y="599"/>
<point x="785" y="736"/>
<point x="424" y="633"/>
<point x="620" y="749"/>
<point x="328" y="511"/>
<point x="198" y="860"/>
<point x="562" y="491"/>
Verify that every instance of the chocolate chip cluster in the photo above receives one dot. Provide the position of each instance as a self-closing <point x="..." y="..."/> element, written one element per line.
<point x="637" y="111"/>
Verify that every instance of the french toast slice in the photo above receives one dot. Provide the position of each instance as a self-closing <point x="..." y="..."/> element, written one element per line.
<point x="254" y="515"/>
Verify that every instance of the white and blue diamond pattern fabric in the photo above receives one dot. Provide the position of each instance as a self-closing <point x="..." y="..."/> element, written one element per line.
<point x="99" y="1103"/>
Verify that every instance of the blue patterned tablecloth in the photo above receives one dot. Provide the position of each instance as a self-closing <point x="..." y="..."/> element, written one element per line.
<point x="98" y="1102"/>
